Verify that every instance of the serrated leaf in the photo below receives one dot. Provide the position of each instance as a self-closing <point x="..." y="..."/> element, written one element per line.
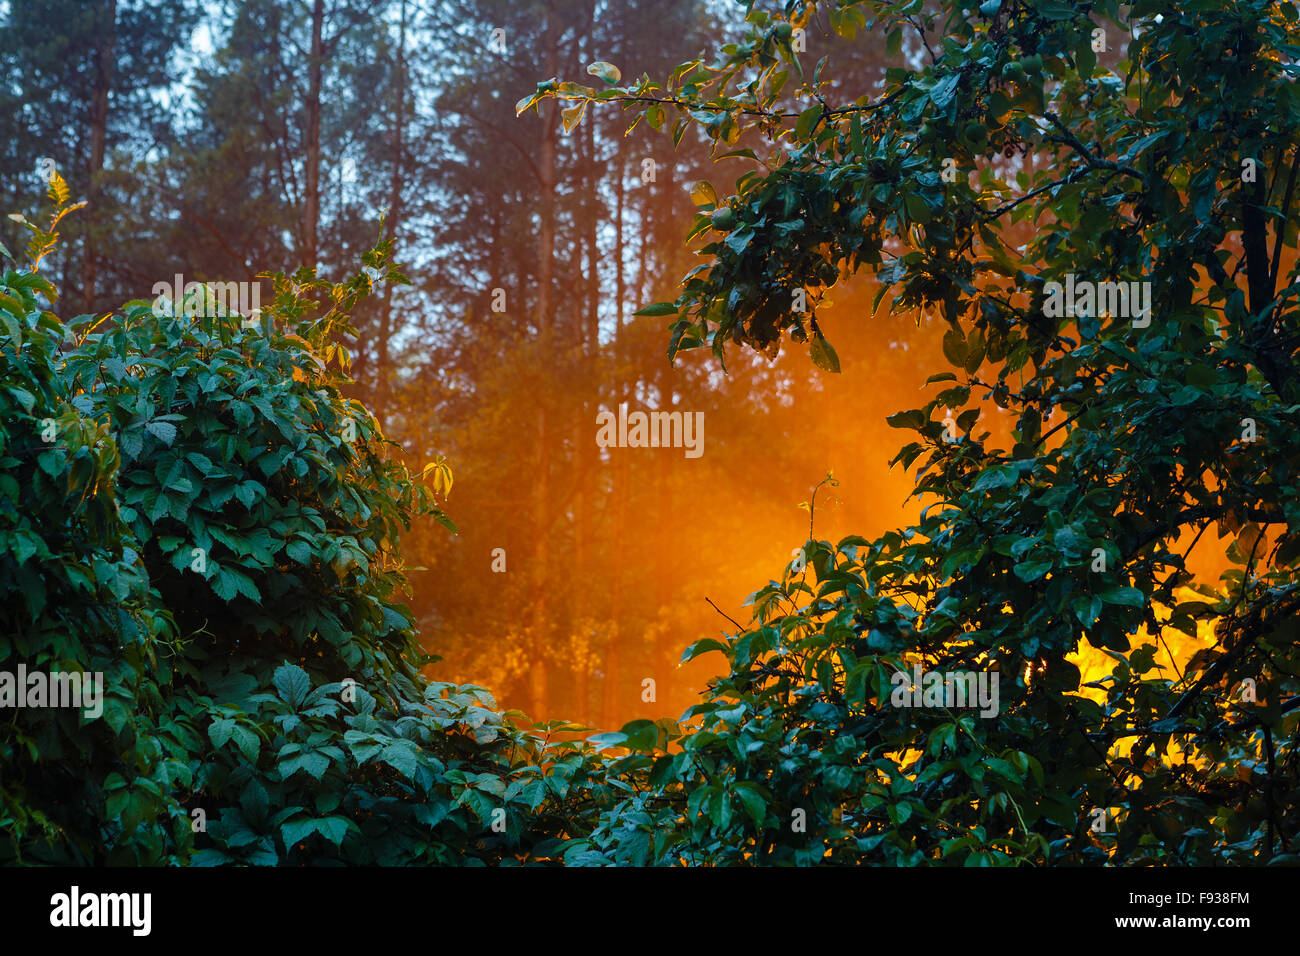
<point x="400" y="755"/>
<point x="219" y="731"/>
<point x="294" y="832"/>
<point x="165" y="432"/>
<point x="247" y="742"/>
<point x="292" y="684"/>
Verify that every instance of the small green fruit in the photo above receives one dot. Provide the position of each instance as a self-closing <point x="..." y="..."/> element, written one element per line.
<point x="784" y="30"/>
<point x="975" y="132"/>
<point x="723" y="219"/>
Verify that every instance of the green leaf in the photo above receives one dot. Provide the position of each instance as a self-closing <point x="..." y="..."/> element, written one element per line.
<point x="363" y="746"/>
<point x="25" y="398"/>
<point x="659" y="308"/>
<point x="976" y="347"/>
<point x="202" y="462"/>
<point x="909" y="419"/>
<point x="247" y="742"/>
<point x="751" y="798"/>
<point x="943" y="91"/>
<point x="894" y="42"/>
<point x="823" y="355"/>
<point x="1201" y="377"/>
<point x="703" y="646"/>
<point x="1126" y="596"/>
<point x="292" y="684"/>
<point x="804" y="124"/>
<point x="606" y="71"/>
<point x="165" y="432"/>
<point x="954" y="347"/>
<point x="223" y="583"/>
<point x="312" y="761"/>
<point x="641" y="735"/>
<point x="254" y="802"/>
<point x="333" y="829"/>
<point x="917" y="210"/>
<point x="219" y="731"/>
<point x="132" y="443"/>
<point x="294" y="832"/>
<point x="606" y="740"/>
<point x="997" y="477"/>
<point x="401" y="756"/>
<point x="15" y="333"/>
<point x="1033" y="569"/>
<point x="1085" y="58"/>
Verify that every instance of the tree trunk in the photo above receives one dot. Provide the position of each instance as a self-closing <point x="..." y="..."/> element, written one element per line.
<point x="539" y="603"/>
<point x="311" y="137"/>
<point x="103" y="71"/>
<point x="383" y="358"/>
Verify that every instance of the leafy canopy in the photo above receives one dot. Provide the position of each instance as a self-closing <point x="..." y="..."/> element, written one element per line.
<point x="1167" y="153"/>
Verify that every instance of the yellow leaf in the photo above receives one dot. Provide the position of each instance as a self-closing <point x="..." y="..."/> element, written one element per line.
<point x="573" y="116"/>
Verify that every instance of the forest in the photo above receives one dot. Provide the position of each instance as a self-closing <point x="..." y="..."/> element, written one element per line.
<point x="676" y="433"/>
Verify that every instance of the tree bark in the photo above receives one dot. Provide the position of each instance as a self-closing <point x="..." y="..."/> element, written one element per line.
<point x="383" y="357"/>
<point x="103" y="69"/>
<point x="311" y="137"/>
<point x="539" y="602"/>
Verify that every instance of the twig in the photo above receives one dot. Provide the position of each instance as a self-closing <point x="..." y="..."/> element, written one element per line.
<point x="739" y="626"/>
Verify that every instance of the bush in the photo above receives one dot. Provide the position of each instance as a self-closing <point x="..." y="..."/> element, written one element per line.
<point x="75" y="601"/>
<point x="217" y="529"/>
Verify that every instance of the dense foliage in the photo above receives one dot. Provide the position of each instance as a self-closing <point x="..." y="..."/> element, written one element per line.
<point x="1167" y="153"/>
<point x="208" y="144"/>
<point x="189" y="505"/>
<point x="213" y="526"/>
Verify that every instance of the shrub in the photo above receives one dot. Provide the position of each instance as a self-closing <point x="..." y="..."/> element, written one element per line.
<point x="217" y="529"/>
